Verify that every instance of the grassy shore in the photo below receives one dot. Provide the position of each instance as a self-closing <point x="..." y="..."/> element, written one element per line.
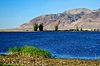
<point x="31" y="56"/>
<point x="33" y="61"/>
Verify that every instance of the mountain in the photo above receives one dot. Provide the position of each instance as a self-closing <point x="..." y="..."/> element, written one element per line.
<point x="80" y="17"/>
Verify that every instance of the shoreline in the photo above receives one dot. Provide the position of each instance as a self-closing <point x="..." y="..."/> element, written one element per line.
<point x="31" y="61"/>
<point x="79" y="58"/>
<point x="48" y="31"/>
<point x="69" y="30"/>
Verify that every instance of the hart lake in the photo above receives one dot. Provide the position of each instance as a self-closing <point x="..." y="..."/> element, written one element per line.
<point x="83" y="45"/>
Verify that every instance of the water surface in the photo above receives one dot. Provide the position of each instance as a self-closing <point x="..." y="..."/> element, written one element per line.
<point x="84" y="45"/>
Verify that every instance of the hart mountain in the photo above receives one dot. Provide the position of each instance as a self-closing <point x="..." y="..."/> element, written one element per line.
<point x="80" y="17"/>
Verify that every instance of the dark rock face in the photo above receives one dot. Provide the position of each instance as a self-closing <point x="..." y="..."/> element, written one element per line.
<point x="68" y="20"/>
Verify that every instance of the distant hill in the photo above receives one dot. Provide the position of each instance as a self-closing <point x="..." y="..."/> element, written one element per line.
<point x="80" y="17"/>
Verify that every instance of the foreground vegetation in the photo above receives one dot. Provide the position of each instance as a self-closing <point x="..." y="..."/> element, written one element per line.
<point x="32" y="56"/>
<point x="14" y="60"/>
<point x="29" y="51"/>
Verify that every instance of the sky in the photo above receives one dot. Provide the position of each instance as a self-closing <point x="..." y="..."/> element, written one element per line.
<point x="13" y="13"/>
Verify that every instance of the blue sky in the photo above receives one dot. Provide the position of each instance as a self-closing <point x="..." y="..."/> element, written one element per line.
<point x="16" y="12"/>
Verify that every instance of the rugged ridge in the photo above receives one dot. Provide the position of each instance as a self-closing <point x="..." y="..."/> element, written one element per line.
<point x="80" y="17"/>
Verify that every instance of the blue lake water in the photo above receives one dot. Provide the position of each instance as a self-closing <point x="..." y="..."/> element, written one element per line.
<point x="84" y="45"/>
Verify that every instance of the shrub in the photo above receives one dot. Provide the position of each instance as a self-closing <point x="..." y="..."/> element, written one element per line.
<point x="41" y="27"/>
<point x="56" y="28"/>
<point x="81" y="29"/>
<point x="30" y="51"/>
<point x="77" y="29"/>
<point x="35" y="27"/>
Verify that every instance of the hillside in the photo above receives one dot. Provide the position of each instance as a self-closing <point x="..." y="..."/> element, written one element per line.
<point x="80" y="17"/>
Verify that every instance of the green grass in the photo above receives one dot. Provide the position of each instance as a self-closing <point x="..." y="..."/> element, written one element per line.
<point x="30" y="51"/>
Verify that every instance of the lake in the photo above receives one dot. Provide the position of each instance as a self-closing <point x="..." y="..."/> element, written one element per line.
<point x="83" y="45"/>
